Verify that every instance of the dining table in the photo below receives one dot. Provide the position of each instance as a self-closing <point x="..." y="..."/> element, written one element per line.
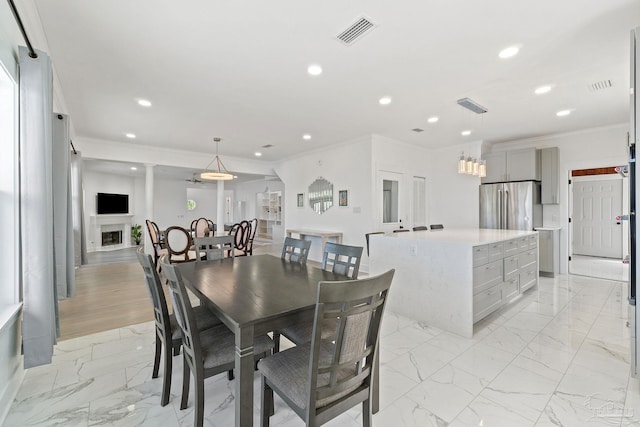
<point x="253" y="295"/>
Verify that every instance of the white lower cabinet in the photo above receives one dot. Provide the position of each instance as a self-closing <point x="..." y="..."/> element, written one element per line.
<point x="501" y="272"/>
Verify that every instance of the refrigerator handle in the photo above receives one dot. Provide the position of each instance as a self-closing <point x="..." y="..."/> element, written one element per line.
<point x="506" y="210"/>
<point x="500" y="208"/>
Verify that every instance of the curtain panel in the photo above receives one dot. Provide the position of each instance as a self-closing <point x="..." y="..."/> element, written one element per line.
<point x="36" y="209"/>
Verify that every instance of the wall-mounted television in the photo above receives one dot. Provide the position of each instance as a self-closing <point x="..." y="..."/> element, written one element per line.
<point x="107" y="203"/>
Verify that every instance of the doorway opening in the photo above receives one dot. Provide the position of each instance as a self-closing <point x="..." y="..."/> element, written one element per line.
<point x="597" y="242"/>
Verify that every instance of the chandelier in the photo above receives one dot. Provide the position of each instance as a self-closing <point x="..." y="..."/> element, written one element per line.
<point x="218" y="172"/>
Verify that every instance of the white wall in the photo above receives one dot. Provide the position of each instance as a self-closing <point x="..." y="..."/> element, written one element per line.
<point x="454" y="197"/>
<point x="589" y="148"/>
<point x="348" y="167"/>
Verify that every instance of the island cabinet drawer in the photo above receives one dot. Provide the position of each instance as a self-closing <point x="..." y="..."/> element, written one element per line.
<point x="528" y="276"/>
<point x="487" y="275"/>
<point x="523" y="243"/>
<point x="511" y="286"/>
<point x="496" y="251"/>
<point x="527" y="257"/>
<point x="480" y="255"/>
<point x="510" y="265"/>
<point x="532" y="241"/>
<point x="511" y="247"/>
<point x="487" y="301"/>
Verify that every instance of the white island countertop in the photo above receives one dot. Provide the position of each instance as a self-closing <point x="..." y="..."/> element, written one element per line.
<point x="452" y="278"/>
<point x="470" y="236"/>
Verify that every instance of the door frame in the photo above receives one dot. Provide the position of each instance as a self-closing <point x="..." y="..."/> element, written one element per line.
<point x="625" y="207"/>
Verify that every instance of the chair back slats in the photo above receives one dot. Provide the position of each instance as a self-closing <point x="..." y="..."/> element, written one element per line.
<point x="343" y="363"/>
<point x="342" y="259"/>
<point x="295" y="250"/>
<point x="179" y="244"/>
<point x="154" y="287"/>
<point x="214" y="247"/>
<point x="184" y="315"/>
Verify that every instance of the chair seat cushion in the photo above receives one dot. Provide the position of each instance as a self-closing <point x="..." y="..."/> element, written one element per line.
<point x="204" y="318"/>
<point x="288" y="372"/>
<point x="302" y="332"/>
<point x="218" y="346"/>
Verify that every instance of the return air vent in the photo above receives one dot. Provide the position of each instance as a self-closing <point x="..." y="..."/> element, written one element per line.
<point x="471" y="105"/>
<point x="356" y="30"/>
<point x="267" y="146"/>
<point x="418" y="130"/>
<point x="601" y="85"/>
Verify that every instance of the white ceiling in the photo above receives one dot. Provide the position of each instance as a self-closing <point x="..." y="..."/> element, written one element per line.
<point x="237" y="70"/>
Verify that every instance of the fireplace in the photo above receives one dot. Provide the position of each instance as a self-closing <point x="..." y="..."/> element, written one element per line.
<point x="110" y="238"/>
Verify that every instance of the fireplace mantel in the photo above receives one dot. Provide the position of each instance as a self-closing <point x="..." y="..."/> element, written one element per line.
<point x="104" y="221"/>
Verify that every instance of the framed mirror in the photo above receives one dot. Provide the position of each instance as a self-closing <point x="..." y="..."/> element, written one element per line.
<point x="320" y="195"/>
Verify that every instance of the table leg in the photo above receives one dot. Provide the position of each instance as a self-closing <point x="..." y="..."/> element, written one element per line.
<point x="244" y="377"/>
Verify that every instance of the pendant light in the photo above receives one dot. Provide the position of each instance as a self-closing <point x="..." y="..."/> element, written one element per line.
<point x="219" y="172"/>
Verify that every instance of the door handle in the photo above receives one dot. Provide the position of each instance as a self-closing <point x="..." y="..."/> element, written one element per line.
<point x="618" y="222"/>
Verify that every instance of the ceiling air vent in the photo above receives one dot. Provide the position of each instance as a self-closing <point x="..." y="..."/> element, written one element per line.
<point x="601" y="85"/>
<point x="418" y="130"/>
<point x="471" y="105"/>
<point x="267" y="146"/>
<point x="355" y="31"/>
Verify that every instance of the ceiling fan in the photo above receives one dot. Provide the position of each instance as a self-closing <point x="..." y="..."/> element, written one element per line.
<point x="194" y="179"/>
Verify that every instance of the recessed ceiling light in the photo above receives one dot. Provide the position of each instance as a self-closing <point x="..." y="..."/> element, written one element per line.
<point x="235" y="176"/>
<point x="133" y="168"/>
<point x="465" y="133"/>
<point x="509" y="52"/>
<point x="130" y="135"/>
<point x="257" y="154"/>
<point x="385" y="100"/>
<point x="314" y="70"/>
<point x="144" y="102"/>
<point x="543" y="89"/>
<point x="433" y="119"/>
<point x="563" y="113"/>
<point x="306" y="136"/>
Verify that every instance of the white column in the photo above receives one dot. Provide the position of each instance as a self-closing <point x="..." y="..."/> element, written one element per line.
<point x="220" y="209"/>
<point x="148" y="194"/>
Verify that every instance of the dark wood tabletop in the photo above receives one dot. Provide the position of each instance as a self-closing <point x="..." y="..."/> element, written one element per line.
<point x="253" y="295"/>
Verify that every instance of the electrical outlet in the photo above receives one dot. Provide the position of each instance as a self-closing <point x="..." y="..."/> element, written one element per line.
<point x="413" y="250"/>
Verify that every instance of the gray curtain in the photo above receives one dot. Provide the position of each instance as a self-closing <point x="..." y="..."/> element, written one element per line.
<point x="64" y="257"/>
<point x="36" y="209"/>
<point x="77" y="204"/>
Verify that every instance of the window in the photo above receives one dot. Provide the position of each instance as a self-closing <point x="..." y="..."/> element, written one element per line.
<point x="9" y="223"/>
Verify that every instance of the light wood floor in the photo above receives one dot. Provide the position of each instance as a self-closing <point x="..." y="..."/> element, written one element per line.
<point x="112" y="295"/>
<point x="107" y="296"/>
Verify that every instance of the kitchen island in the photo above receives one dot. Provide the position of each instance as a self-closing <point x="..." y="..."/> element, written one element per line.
<point x="452" y="278"/>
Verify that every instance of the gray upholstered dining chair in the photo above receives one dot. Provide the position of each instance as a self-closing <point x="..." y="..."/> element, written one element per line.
<point x="420" y="228"/>
<point x="437" y="226"/>
<point x="168" y="336"/>
<point x="205" y="353"/>
<point x="340" y="259"/>
<point x="214" y="247"/>
<point x="295" y="250"/>
<point x="326" y="377"/>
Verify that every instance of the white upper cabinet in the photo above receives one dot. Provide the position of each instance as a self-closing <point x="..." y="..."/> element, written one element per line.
<point x="515" y="165"/>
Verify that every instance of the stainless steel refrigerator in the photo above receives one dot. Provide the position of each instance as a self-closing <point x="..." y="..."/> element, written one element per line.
<point x="511" y="205"/>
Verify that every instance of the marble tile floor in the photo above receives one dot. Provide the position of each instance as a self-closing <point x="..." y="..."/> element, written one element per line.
<point x="558" y="356"/>
<point x="604" y="268"/>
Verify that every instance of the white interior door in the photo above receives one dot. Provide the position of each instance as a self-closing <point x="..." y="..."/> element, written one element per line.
<point x="595" y="207"/>
<point x="390" y="200"/>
